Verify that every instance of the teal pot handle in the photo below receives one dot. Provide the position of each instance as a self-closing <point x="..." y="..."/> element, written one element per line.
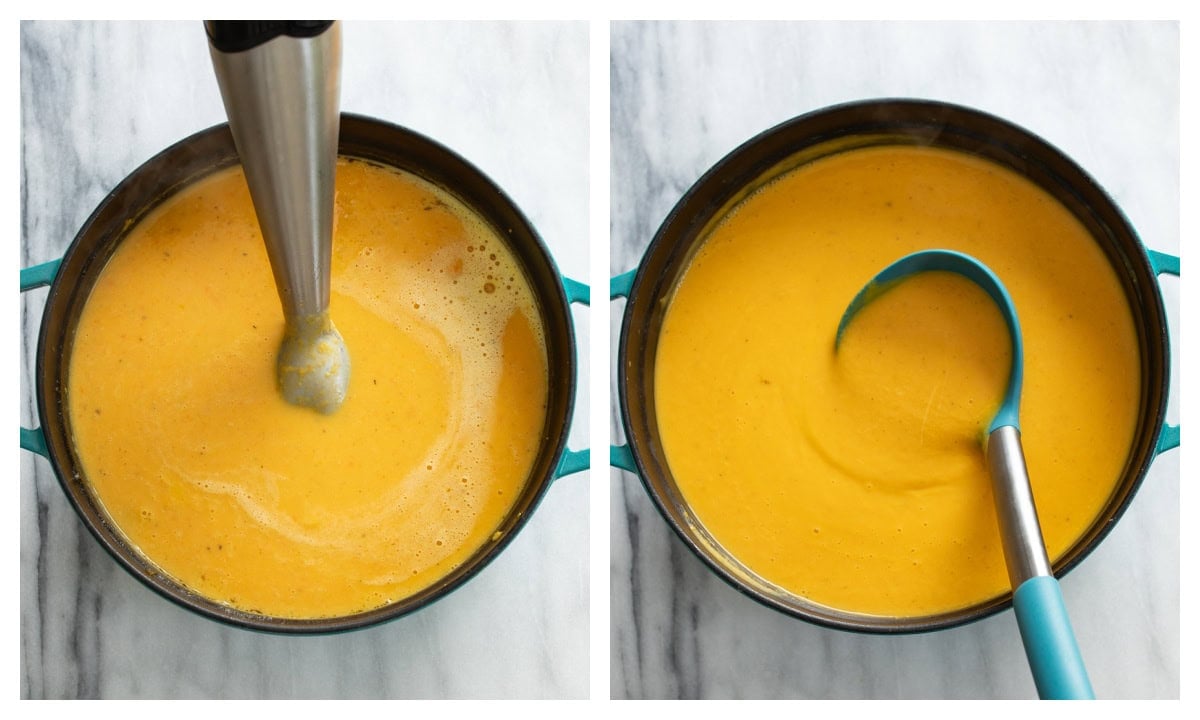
<point x="573" y="461"/>
<point x="621" y="285"/>
<point x="577" y="292"/>
<point x="37" y="276"/>
<point x="1054" y="658"/>
<point x="1162" y="263"/>
<point x="620" y="456"/>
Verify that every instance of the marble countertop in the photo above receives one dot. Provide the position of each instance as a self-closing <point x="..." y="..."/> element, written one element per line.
<point x="685" y="94"/>
<point x="100" y="98"/>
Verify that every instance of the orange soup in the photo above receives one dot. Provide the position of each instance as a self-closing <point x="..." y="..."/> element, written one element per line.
<point x="856" y="479"/>
<point x="277" y="509"/>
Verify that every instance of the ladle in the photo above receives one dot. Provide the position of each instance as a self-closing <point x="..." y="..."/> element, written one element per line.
<point x="1054" y="659"/>
<point x="280" y="82"/>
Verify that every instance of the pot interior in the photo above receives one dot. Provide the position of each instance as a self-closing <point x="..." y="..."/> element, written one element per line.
<point x="209" y="151"/>
<point x="821" y="134"/>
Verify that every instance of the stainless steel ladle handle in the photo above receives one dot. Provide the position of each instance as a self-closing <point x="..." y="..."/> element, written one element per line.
<point x="280" y="82"/>
<point x="1020" y="531"/>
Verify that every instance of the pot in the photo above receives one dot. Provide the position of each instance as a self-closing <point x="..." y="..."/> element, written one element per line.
<point x="73" y="277"/>
<point x="819" y="134"/>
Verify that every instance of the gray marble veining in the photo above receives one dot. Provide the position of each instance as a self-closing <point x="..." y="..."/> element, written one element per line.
<point x="100" y="98"/>
<point x="683" y="94"/>
<point x="97" y="99"/>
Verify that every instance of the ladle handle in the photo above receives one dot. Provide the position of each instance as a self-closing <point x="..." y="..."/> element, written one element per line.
<point x="1054" y="659"/>
<point x="1020" y="530"/>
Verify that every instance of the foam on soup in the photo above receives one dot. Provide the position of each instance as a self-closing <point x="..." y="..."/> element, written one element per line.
<point x="276" y="509"/>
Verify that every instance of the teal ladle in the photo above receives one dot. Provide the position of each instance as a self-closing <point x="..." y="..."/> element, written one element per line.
<point x="1054" y="659"/>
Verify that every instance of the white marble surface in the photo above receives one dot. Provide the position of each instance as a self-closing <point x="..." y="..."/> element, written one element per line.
<point x="685" y="94"/>
<point x="98" y="99"/>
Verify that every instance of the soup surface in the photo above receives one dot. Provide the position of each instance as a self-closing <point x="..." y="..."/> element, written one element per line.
<point x="856" y="479"/>
<point x="281" y="510"/>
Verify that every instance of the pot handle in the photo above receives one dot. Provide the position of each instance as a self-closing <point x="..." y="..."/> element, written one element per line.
<point x="573" y="461"/>
<point x="1162" y="263"/>
<point x="621" y="285"/>
<point x="37" y="276"/>
<point x="620" y="456"/>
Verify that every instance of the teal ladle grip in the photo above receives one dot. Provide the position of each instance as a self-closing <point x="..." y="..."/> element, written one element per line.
<point x="1054" y="659"/>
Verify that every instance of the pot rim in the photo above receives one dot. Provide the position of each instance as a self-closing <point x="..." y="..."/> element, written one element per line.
<point x="551" y="298"/>
<point x="931" y="116"/>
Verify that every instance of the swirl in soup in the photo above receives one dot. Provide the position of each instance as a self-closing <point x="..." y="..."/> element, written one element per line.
<point x="857" y="479"/>
<point x="272" y="508"/>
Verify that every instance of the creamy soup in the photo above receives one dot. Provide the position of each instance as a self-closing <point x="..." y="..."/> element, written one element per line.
<point x="277" y="509"/>
<point x="856" y="479"/>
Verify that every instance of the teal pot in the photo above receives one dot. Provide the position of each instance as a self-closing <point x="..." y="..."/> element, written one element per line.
<point x="72" y="278"/>
<point x="818" y="134"/>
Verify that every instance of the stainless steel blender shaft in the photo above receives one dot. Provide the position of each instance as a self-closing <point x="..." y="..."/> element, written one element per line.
<point x="281" y="96"/>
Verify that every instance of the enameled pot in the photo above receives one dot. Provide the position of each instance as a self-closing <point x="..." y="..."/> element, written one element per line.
<point x="819" y="134"/>
<point x="73" y="277"/>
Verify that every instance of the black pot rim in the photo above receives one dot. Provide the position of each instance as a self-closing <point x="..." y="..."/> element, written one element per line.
<point x="928" y="115"/>
<point x="552" y="299"/>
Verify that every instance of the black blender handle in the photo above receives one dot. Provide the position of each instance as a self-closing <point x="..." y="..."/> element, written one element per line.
<point x="233" y="36"/>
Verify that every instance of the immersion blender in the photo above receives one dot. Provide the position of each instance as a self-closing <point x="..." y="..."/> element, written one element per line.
<point x="280" y="81"/>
